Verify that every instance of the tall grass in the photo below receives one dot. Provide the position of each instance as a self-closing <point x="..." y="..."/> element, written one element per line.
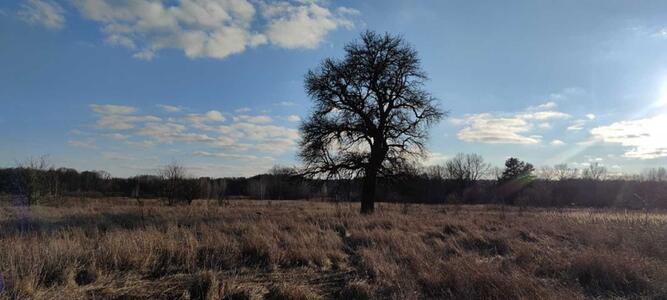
<point x="310" y="250"/>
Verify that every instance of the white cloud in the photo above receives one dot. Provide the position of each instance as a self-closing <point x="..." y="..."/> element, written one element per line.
<point x="170" y="108"/>
<point x="508" y="128"/>
<point x="123" y="122"/>
<point x="492" y="129"/>
<point x="285" y="103"/>
<point x="591" y="116"/>
<point x="243" y="110"/>
<point x="557" y="142"/>
<point x="644" y="138"/>
<point x="199" y="120"/>
<point x="212" y="28"/>
<point x="119" y="117"/>
<point x="261" y="119"/>
<point x="303" y="26"/>
<point x="544" y="106"/>
<point x="113" y="109"/>
<point x="544" y="115"/>
<point x="245" y="137"/>
<point x="264" y="132"/>
<point x="42" y="12"/>
<point x="293" y="118"/>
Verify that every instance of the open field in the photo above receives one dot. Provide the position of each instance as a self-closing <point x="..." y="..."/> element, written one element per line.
<point x="315" y="250"/>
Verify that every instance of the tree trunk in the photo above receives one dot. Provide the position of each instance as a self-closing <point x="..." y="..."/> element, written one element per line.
<point x="368" y="193"/>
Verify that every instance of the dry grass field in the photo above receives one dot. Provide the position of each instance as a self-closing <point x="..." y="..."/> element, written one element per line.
<point x="116" y="249"/>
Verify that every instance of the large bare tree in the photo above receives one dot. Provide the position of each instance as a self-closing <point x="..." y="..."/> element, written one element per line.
<point x="371" y="114"/>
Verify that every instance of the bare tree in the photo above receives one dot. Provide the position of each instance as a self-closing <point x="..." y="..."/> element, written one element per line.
<point x="563" y="172"/>
<point x="30" y="180"/>
<point x="654" y="174"/>
<point x="595" y="172"/>
<point x="436" y="172"/>
<point x="177" y="186"/>
<point x="467" y="168"/>
<point x="547" y="173"/>
<point x="371" y="113"/>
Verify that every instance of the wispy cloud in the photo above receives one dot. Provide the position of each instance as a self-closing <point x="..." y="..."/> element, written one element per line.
<point x="42" y="12"/>
<point x="170" y="108"/>
<point x="113" y="109"/>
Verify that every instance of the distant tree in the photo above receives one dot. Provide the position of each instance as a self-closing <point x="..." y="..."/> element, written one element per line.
<point x="654" y="174"/>
<point x="437" y="172"/>
<point x="595" y="171"/>
<point x="515" y="170"/>
<point x="515" y="177"/>
<point x="563" y="172"/>
<point x="371" y="112"/>
<point x="177" y="186"/>
<point x="547" y="173"/>
<point x="466" y="168"/>
<point x="30" y="181"/>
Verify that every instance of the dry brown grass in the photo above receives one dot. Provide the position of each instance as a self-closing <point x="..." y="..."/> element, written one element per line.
<point x="115" y="249"/>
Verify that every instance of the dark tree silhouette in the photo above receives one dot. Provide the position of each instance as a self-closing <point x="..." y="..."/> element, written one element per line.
<point x="516" y="169"/>
<point x="371" y="114"/>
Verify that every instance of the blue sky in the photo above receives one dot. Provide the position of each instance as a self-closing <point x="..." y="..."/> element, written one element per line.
<point x="128" y="86"/>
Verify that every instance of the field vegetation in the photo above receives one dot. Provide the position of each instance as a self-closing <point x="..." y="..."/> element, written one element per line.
<point x="243" y="249"/>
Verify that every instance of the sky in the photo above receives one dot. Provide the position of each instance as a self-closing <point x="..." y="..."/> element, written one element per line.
<point x="128" y="86"/>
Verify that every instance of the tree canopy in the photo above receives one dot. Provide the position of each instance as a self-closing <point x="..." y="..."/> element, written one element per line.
<point x="371" y="112"/>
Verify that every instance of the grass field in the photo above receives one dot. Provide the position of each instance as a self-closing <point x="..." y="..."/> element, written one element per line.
<point x="117" y="249"/>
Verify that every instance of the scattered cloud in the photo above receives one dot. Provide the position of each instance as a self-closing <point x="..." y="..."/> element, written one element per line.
<point x="544" y="115"/>
<point x="643" y="138"/>
<point x="123" y="122"/>
<point x="590" y="116"/>
<point x="213" y="28"/>
<point x="544" y="106"/>
<point x="113" y="109"/>
<point x="170" y="108"/>
<point x="200" y="120"/>
<point x="293" y="118"/>
<point x="42" y="12"/>
<point x="243" y="137"/>
<point x="243" y="110"/>
<point x="557" y="142"/>
<point x="285" y="103"/>
<point x="119" y="117"/>
<point x="261" y="119"/>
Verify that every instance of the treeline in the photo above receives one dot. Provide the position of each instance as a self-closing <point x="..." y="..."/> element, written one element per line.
<point x="464" y="179"/>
